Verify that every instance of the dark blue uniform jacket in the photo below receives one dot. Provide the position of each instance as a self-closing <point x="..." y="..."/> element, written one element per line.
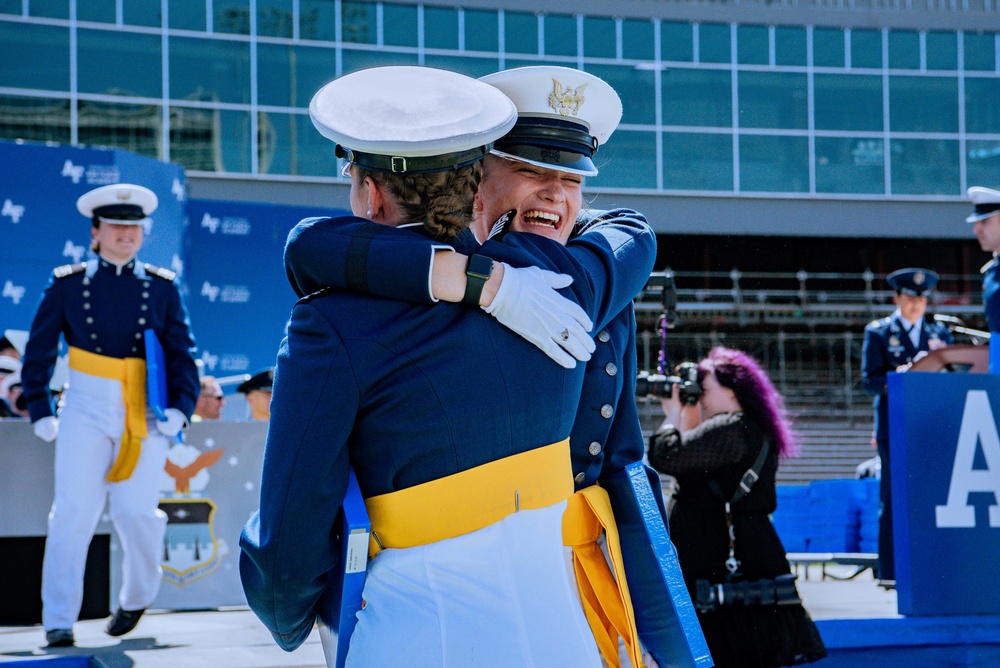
<point x="104" y="309"/>
<point x="991" y="294"/>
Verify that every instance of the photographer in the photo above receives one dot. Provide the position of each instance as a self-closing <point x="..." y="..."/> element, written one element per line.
<point x="733" y="562"/>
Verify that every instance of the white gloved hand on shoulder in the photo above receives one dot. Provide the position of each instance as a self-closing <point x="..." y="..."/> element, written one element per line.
<point x="173" y="423"/>
<point x="47" y="428"/>
<point x="527" y="303"/>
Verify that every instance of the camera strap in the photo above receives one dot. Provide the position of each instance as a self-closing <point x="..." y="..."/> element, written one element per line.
<point x="747" y="480"/>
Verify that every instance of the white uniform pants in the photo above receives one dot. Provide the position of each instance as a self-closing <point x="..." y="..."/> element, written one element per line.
<point x="90" y="429"/>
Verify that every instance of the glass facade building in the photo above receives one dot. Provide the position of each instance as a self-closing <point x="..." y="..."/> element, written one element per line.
<point x="712" y="108"/>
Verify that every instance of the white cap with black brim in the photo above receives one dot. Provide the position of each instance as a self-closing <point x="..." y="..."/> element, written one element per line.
<point x="118" y="204"/>
<point x="986" y="202"/>
<point x="564" y="115"/>
<point x="411" y="120"/>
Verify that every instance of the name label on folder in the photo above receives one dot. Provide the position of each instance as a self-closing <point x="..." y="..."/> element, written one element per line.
<point x="357" y="552"/>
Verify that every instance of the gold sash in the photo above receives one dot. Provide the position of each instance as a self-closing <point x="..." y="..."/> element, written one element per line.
<point x="131" y="372"/>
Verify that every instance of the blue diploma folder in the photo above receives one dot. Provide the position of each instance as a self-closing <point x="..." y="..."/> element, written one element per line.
<point x="156" y="375"/>
<point x="341" y="603"/>
<point x="665" y="616"/>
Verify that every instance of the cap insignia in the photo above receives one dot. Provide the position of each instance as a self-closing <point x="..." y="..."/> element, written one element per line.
<point x="123" y="195"/>
<point x="566" y="100"/>
<point x="918" y="278"/>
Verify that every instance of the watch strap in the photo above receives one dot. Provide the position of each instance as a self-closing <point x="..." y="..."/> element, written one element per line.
<point x="478" y="272"/>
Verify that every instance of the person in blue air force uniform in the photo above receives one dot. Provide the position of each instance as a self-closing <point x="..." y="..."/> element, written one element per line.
<point x="893" y="343"/>
<point x="536" y="171"/>
<point x="456" y="427"/>
<point x="108" y="445"/>
<point x="986" y="226"/>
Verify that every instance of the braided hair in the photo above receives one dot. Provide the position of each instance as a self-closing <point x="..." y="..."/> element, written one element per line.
<point x="442" y="201"/>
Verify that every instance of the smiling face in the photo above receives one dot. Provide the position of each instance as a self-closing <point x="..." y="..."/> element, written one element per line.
<point x="118" y="243"/>
<point x="987" y="231"/>
<point x="547" y="201"/>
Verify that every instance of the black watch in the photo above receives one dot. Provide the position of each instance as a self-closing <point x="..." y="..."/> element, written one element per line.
<point x="480" y="268"/>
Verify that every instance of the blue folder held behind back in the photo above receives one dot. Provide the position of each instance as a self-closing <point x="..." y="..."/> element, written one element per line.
<point x="341" y="603"/>
<point x="156" y="375"/>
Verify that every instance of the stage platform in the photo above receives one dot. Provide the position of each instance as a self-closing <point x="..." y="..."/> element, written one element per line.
<point x="856" y="617"/>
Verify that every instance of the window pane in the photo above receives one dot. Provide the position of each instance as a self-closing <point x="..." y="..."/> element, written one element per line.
<point x="399" y="25"/>
<point x="828" y="47"/>
<point x="187" y="15"/>
<point x="942" y="51"/>
<point x="440" y="28"/>
<point x="130" y="127"/>
<point x="232" y="16"/>
<point x="101" y="11"/>
<point x="774" y="164"/>
<point x="980" y="51"/>
<point x="773" y="100"/>
<point x="714" y="43"/>
<point x="637" y="39"/>
<point x="481" y="30"/>
<point x="628" y="160"/>
<point x="141" y="13"/>
<point x="676" y="41"/>
<point x="359" y="23"/>
<point x="34" y="119"/>
<point x="847" y="101"/>
<point x="288" y="76"/>
<point x="138" y="67"/>
<point x="697" y="97"/>
<point x="904" y="50"/>
<point x="846" y="165"/>
<point x="210" y="140"/>
<point x="923" y="104"/>
<point x="697" y="161"/>
<point x="52" y="9"/>
<point x="41" y="53"/>
<point x="209" y="70"/>
<point x="599" y="37"/>
<point x="11" y="7"/>
<point x="318" y="19"/>
<point x="752" y="45"/>
<point x="866" y="48"/>
<point x="636" y="88"/>
<point x="924" y="167"/>
<point x="520" y="32"/>
<point x="274" y="18"/>
<point x="355" y="60"/>
<point x="983" y="162"/>
<point x="790" y="46"/>
<point x="291" y="145"/>
<point x="473" y="67"/>
<point x="560" y="35"/>
<point x="981" y="97"/>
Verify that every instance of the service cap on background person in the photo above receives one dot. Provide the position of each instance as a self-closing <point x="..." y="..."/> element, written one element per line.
<point x="411" y="120"/>
<point x="564" y="115"/>
<point x="986" y="202"/>
<point x="118" y="204"/>
<point x="9" y="364"/>
<point x="912" y="281"/>
<point x="17" y="338"/>
<point x="262" y="380"/>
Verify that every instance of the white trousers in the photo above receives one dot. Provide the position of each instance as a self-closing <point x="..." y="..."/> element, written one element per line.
<point x="500" y="596"/>
<point x="90" y="429"/>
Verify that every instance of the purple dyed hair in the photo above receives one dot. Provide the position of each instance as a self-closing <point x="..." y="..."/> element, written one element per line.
<point x="753" y="389"/>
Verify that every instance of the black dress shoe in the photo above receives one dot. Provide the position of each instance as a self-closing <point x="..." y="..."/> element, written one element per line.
<point x="59" y="638"/>
<point x="123" y="622"/>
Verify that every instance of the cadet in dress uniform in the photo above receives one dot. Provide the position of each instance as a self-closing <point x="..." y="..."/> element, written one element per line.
<point x="986" y="226"/>
<point x="108" y="445"/>
<point x="891" y="343"/>
<point x="425" y="403"/>
<point x="536" y="169"/>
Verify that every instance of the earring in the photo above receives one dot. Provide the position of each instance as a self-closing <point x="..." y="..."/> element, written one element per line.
<point x="369" y="214"/>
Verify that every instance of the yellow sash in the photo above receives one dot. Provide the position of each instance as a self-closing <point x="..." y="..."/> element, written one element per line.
<point x="470" y="500"/>
<point x="606" y="599"/>
<point x="464" y="502"/>
<point x="131" y="371"/>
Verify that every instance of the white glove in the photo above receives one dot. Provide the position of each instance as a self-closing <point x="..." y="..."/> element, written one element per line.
<point x="527" y="303"/>
<point x="47" y="428"/>
<point x="173" y="423"/>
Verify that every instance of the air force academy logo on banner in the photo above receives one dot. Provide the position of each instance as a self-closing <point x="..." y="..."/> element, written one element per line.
<point x="978" y="427"/>
<point x="12" y="211"/>
<point x="191" y="549"/>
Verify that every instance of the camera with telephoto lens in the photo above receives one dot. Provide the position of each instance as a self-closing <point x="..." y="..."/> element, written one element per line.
<point x="660" y="386"/>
